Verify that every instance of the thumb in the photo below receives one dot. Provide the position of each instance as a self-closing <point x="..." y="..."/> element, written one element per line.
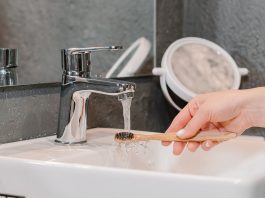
<point x="195" y="124"/>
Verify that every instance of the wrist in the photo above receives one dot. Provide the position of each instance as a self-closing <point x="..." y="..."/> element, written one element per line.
<point x="255" y="106"/>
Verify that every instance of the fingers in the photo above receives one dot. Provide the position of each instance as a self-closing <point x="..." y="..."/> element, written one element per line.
<point x="181" y="120"/>
<point x="186" y="124"/>
<point x="193" y="146"/>
<point x="208" y="144"/>
<point x="178" y="147"/>
<point x="200" y="119"/>
<point x="165" y="143"/>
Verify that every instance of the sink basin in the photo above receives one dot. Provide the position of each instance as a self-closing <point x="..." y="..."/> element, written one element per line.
<point x="102" y="168"/>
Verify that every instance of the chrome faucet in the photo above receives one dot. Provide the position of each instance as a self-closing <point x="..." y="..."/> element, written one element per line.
<point x="8" y="64"/>
<point x="77" y="81"/>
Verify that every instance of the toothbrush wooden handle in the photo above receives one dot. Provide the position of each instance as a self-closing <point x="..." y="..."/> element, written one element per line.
<point x="200" y="137"/>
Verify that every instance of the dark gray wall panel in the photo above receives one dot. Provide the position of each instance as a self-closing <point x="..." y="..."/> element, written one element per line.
<point x="28" y="113"/>
<point x="169" y="16"/>
<point x="41" y="28"/>
<point x="237" y="25"/>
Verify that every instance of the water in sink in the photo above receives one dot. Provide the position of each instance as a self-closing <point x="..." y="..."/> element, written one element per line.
<point x="129" y="155"/>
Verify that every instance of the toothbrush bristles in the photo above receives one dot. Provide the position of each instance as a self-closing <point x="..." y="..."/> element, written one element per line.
<point x="124" y="136"/>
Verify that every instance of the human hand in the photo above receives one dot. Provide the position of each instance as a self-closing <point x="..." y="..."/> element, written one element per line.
<point x="232" y="111"/>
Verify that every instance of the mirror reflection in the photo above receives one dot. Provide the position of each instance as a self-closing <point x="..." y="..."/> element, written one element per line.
<point x="40" y="29"/>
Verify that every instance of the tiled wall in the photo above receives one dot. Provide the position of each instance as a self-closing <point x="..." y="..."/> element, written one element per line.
<point x="28" y="112"/>
<point x="169" y="16"/>
<point x="39" y="29"/>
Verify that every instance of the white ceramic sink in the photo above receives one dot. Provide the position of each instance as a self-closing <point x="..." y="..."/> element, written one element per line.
<point x="42" y="169"/>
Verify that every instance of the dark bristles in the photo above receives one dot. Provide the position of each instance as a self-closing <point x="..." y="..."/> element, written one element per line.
<point x="123" y="136"/>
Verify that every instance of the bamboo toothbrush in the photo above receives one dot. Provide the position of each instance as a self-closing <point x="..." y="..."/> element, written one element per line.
<point x="126" y="137"/>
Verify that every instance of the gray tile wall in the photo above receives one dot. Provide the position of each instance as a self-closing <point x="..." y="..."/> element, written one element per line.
<point x="28" y="112"/>
<point x="39" y="29"/>
<point x="169" y="16"/>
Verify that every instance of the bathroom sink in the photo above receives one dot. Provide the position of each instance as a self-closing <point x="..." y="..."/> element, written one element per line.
<point x="102" y="168"/>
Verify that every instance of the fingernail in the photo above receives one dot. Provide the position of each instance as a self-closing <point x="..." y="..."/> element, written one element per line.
<point x="208" y="144"/>
<point x="180" y="133"/>
<point x="165" y="143"/>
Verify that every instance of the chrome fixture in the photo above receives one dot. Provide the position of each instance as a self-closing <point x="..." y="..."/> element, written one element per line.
<point x="8" y="63"/>
<point x="77" y="81"/>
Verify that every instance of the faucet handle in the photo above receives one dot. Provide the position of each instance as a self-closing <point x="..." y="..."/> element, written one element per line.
<point x="8" y="57"/>
<point x="76" y="61"/>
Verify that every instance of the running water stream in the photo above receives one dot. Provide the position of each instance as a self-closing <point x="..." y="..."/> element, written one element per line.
<point x="128" y="155"/>
<point x="126" y="105"/>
